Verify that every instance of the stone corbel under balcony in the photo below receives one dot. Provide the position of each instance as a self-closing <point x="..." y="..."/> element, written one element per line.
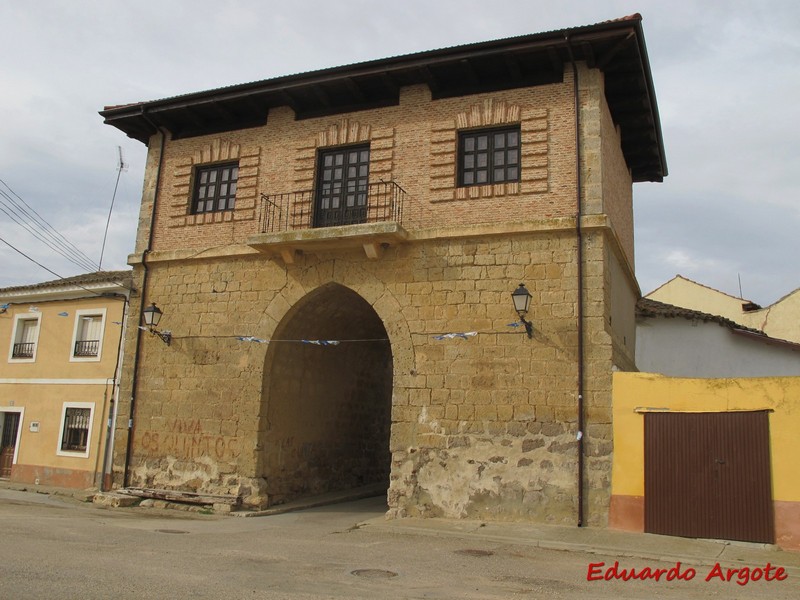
<point x="372" y="237"/>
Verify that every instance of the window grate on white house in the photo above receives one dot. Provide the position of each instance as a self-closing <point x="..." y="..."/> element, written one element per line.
<point x="76" y="429"/>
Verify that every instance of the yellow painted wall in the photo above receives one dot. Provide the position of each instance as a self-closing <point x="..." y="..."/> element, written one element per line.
<point x="41" y="387"/>
<point x="779" y="320"/>
<point x="647" y="390"/>
<point x="55" y="339"/>
<point x="685" y="293"/>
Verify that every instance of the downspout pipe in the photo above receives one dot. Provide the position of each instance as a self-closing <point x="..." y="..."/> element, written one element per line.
<point x="137" y="354"/>
<point x="579" y="237"/>
<point x="105" y="476"/>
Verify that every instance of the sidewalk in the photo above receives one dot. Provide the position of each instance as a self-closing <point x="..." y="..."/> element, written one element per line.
<point x="605" y="542"/>
<point x="79" y="495"/>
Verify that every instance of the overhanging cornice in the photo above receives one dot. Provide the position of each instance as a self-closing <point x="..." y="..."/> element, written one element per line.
<point x="615" y="47"/>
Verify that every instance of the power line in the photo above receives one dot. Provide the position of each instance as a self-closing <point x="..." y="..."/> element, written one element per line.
<point x="39" y="237"/>
<point x="30" y="259"/>
<point x="17" y="250"/>
<point x="22" y="219"/>
<point x="69" y="250"/>
<point x="34" y="220"/>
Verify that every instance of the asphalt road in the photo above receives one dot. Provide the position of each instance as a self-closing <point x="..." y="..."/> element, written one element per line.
<point x="58" y="548"/>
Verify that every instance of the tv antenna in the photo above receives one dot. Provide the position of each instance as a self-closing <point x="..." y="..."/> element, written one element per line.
<point x="121" y="166"/>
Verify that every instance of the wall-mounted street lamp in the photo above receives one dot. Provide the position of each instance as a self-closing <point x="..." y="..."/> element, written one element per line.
<point x="152" y="315"/>
<point x="522" y="301"/>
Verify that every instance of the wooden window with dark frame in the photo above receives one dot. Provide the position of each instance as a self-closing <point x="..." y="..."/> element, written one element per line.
<point x="215" y="188"/>
<point x="342" y="186"/>
<point x="488" y="156"/>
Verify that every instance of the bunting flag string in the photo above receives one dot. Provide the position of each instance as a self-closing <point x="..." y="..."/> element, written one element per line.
<point x="464" y="335"/>
<point x="449" y="336"/>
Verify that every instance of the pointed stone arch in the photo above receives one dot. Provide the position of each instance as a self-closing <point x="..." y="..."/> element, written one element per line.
<point x="326" y="408"/>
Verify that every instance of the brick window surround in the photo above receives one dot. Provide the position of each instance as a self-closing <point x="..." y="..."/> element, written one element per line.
<point x="215" y="187"/>
<point x="488" y="156"/>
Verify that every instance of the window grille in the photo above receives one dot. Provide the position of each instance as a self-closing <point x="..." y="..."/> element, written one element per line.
<point x="76" y="429"/>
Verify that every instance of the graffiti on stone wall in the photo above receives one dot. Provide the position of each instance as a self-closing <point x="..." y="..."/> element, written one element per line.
<point x="186" y="439"/>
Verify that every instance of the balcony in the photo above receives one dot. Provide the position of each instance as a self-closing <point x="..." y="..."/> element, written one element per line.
<point x="309" y="221"/>
<point x="23" y="350"/>
<point x="84" y="348"/>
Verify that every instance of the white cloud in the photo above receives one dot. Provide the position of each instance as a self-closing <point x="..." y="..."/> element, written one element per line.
<point x="681" y="260"/>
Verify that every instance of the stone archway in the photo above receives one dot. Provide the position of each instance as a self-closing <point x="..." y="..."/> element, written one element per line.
<point x="328" y="407"/>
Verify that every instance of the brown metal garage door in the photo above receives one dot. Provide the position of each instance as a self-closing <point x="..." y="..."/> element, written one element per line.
<point x="708" y="475"/>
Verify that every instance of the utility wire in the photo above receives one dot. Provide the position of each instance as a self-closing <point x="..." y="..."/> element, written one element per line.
<point x="45" y="241"/>
<point x="68" y="250"/>
<point x="41" y="222"/>
<point x="22" y="219"/>
<point x="44" y="236"/>
<point x="30" y="259"/>
<point x="29" y="214"/>
<point x="96" y="293"/>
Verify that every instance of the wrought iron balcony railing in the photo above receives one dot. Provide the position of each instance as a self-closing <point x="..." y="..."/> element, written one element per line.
<point x="87" y="347"/>
<point x="23" y="350"/>
<point x="379" y="202"/>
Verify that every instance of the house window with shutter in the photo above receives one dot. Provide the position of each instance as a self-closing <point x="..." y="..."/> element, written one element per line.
<point x="88" y="336"/>
<point x="24" y="339"/>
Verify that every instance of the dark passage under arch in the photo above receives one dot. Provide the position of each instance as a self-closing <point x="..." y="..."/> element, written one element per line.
<point x="328" y="407"/>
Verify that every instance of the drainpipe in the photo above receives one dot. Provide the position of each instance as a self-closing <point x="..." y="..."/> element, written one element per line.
<point x="579" y="237"/>
<point x="105" y="480"/>
<point x="135" y="379"/>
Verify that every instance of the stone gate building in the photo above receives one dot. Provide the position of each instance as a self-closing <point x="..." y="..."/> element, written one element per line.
<point x="334" y="254"/>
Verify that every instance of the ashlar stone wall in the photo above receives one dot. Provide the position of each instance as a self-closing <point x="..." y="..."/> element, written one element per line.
<point x="481" y="426"/>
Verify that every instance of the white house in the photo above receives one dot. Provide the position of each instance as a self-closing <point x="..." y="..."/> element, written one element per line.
<point x="680" y="342"/>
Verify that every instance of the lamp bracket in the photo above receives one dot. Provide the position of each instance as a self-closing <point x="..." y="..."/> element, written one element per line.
<point x="528" y="326"/>
<point x="164" y="336"/>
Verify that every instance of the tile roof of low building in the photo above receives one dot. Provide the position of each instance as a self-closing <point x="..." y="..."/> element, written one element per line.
<point x="646" y="307"/>
<point x="125" y="277"/>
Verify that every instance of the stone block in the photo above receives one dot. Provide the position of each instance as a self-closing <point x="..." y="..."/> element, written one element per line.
<point x="115" y="500"/>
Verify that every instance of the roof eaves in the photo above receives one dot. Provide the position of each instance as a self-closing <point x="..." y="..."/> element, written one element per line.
<point x="649" y="308"/>
<point x="250" y="102"/>
<point x="85" y="284"/>
<point x="767" y="339"/>
<point x="405" y="60"/>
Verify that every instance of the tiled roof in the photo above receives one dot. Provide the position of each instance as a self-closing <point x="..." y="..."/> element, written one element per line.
<point x="616" y="47"/>
<point x="123" y="277"/>
<point x="646" y="307"/>
<point x="652" y="308"/>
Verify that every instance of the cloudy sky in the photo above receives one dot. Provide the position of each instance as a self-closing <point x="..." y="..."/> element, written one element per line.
<point x="727" y="77"/>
